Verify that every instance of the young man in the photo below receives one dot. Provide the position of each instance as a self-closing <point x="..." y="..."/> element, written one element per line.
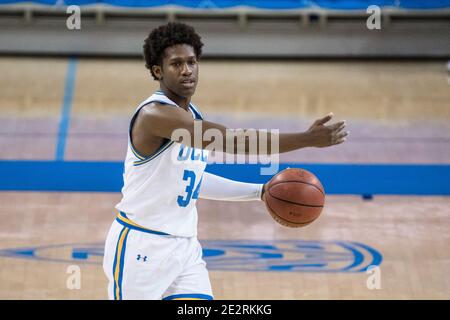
<point x="151" y="250"/>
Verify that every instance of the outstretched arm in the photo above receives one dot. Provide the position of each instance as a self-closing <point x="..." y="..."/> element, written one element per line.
<point x="218" y="188"/>
<point x="161" y="121"/>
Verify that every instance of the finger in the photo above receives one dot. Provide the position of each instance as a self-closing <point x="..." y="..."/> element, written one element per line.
<point x="339" y="141"/>
<point x="337" y="125"/>
<point x="325" y="119"/>
<point x="341" y="135"/>
<point x="339" y="129"/>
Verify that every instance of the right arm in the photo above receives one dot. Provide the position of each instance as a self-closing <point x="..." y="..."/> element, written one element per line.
<point x="161" y="121"/>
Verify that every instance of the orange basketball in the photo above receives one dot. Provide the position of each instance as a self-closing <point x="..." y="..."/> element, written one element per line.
<point x="294" y="197"/>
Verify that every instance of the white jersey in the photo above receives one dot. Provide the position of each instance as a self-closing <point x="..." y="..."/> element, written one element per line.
<point x="160" y="190"/>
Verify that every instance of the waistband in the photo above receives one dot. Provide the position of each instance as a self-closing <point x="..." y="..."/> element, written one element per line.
<point x="125" y="221"/>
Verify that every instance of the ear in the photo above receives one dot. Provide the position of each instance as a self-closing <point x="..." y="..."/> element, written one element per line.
<point x="157" y="70"/>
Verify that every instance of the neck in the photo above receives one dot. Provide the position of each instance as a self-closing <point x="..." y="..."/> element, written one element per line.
<point x="183" y="102"/>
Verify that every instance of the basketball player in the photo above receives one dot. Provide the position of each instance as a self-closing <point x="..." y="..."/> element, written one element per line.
<point x="151" y="250"/>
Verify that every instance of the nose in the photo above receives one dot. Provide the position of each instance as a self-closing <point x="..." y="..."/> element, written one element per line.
<point x="186" y="69"/>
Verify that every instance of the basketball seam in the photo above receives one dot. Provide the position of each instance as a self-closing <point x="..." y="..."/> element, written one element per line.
<point x="297" y="203"/>
<point x="299" y="182"/>
<point x="277" y="217"/>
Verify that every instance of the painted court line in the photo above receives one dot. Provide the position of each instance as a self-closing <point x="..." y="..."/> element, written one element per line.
<point x="66" y="108"/>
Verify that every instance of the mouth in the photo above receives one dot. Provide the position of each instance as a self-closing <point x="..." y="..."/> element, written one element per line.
<point x="188" y="83"/>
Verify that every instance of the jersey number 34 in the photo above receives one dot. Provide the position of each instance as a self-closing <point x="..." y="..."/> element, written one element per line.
<point x="191" y="193"/>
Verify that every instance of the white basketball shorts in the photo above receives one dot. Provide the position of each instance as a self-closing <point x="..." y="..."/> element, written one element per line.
<point x="144" y="265"/>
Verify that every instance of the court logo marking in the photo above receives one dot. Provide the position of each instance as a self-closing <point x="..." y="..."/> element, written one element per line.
<point x="235" y="255"/>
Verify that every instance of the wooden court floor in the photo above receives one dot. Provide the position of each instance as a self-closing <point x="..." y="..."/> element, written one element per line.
<point x="410" y="232"/>
<point x="398" y="112"/>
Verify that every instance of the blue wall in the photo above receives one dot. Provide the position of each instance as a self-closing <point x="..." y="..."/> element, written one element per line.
<point x="262" y="4"/>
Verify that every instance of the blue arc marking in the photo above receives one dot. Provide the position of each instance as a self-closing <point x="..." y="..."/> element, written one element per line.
<point x="235" y="255"/>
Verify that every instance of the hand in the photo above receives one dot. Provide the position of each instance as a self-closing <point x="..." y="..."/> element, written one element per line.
<point x="321" y="135"/>
<point x="263" y="192"/>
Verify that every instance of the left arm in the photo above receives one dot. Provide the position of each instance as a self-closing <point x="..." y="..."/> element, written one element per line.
<point x="218" y="188"/>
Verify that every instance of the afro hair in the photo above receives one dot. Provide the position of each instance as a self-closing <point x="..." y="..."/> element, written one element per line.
<point x="166" y="36"/>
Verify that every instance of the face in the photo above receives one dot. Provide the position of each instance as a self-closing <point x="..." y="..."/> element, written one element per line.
<point x="179" y="71"/>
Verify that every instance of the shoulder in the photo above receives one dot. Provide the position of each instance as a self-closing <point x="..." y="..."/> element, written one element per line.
<point x="156" y="109"/>
<point x="155" y="105"/>
<point x="156" y="114"/>
<point x="149" y="117"/>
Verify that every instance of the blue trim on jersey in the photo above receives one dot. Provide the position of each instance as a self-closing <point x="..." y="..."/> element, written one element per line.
<point x="197" y="113"/>
<point x="189" y="295"/>
<point x="118" y="264"/>
<point x="135" y="152"/>
<point x="126" y="222"/>
<point x="122" y="261"/>
<point x="158" y="152"/>
<point x="114" y="267"/>
<point x="144" y="159"/>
